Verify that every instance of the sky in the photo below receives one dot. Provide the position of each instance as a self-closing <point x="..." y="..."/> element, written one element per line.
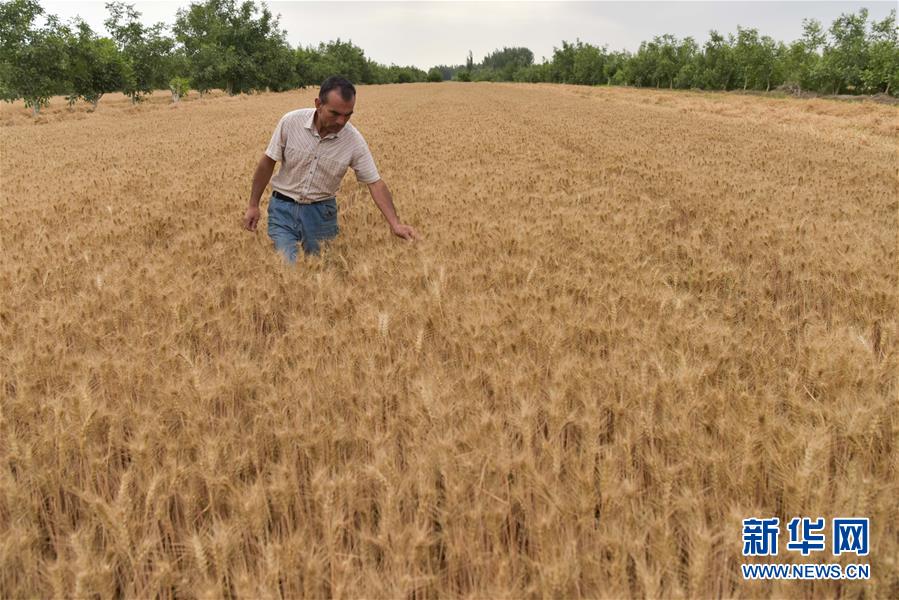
<point x="425" y="34"/>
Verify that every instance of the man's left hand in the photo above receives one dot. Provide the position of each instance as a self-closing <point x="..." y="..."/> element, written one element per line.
<point x="404" y="231"/>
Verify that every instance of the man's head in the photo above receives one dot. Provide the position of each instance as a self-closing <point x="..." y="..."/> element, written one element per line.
<point x="334" y="105"/>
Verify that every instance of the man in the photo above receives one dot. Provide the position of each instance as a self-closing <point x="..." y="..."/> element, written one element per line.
<point x="315" y="147"/>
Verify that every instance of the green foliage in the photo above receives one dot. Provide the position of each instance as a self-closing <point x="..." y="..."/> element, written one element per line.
<point x="484" y="75"/>
<point x="397" y="74"/>
<point x="237" y="48"/>
<point x="841" y="58"/>
<point x="562" y="64"/>
<point x="504" y="63"/>
<point x="448" y="72"/>
<point x="614" y="68"/>
<point x="717" y="66"/>
<point x="846" y="58"/>
<point x="233" y="45"/>
<point x="756" y="59"/>
<point x="664" y="62"/>
<point x="589" y="65"/>
<point x="881" y="73"/>
<point x="146" y="50"/>
<point x="532" y="73"/>
<point x="179" y="87"/>
<point x="33" y="60"/>
<point x="314" y="65"/>
<point x="95" y="65"/>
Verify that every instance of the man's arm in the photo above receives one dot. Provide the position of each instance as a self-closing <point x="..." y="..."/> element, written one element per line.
<point x="261" y="178"/>
<point x="380" y="193"/>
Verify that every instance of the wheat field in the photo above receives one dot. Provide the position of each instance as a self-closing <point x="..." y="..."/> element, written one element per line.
<point x="634" y="319"/>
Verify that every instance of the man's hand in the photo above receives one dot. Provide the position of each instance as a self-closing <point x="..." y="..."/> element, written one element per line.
<point x="380" y="193"/>
<point x="250" y="218"/>
<point x="404" y="231"/>
<point x="260" y="179"/>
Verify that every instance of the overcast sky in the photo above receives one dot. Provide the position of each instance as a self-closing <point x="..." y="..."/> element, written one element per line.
<point x="425" y="34"/>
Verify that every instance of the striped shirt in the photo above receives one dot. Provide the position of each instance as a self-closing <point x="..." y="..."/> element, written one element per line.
<point x="311" y="166"/>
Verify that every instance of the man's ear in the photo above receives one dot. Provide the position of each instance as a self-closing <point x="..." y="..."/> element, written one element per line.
<point x="318" y="102"/>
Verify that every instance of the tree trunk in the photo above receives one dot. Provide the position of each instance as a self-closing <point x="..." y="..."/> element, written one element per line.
<point x="768" y="85"/>
<point x="35" y="109"/>
<point x="175" y="97"/>
<point x="95" y="102"/>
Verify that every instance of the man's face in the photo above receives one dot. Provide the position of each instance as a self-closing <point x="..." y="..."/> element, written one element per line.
<point x="334" y="113"/>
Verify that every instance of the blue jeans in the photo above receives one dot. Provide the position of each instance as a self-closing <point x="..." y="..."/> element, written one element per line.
<point x="290" y="223"/>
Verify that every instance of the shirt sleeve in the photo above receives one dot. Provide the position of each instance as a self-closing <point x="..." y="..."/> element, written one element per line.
<point x="363" y="164"/>
<point x="275" y="150"/>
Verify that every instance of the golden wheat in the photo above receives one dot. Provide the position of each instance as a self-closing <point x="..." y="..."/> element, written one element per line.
<point x="636" y="318"/>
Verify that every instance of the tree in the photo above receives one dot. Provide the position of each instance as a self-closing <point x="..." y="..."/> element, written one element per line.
<point x="95" y="65"/>
<point x="717" y="70"/>
<point x="613" y="68"/>
<point x="882" y="71"/>
<point x="562" y="69"/>
<point x="507" y="61"/>
<point x="236" y="48"/>
<point x="448" y="72"/>
<point x="434" y="75"/>
<point x="667" y="65"/>
<point x="745" y="55"/>
<point x="589" y="64"/>
<point x="279" y="73"/>
<point x="641" y="68"/>
<point x="658" y="62"/>
<point x="33" y="60"/>
<point x="769" y="64"/>
<point x="687" y="52"/>
<point x="16" y="27"/>
<point x="314" y="65"/>
<point x="398" y="74"/>
<point x="534" y="73"/>
<point x="466" y="73"/>
<point x="801" y="62"/>
<point x="200" y="29"/>
<point x="846" y="58"/>
<point x="179" y="87"/>
<point x="145" y="49"/>
<point x="755" y="59"/>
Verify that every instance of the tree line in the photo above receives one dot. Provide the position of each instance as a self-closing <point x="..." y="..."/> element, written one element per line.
<point x="852" y="56"/>
<point x="213" y="44"/>
<point x="240" y="48"/>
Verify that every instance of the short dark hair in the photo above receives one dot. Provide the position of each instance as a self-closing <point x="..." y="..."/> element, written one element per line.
<point x="336" y="82"/>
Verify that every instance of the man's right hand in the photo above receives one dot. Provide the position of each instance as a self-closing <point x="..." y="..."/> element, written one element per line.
<point x="251" y="218"/>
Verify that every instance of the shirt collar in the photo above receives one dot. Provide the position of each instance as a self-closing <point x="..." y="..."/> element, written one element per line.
<point x="310" y="125"/>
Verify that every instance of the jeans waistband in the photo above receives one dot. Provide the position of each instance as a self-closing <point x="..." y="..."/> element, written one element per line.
<point x="281" y="196"/>
<point x="286" y="198"/>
